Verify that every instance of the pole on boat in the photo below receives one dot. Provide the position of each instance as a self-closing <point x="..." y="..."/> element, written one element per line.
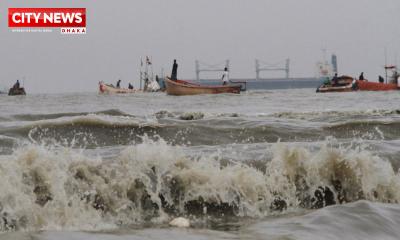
<point x="386" y="74"/>
<point x="141" y="73"/>
<point x="152" y="72"/>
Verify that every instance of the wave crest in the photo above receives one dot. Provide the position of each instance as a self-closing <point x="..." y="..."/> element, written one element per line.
<point x="52" y="189"/>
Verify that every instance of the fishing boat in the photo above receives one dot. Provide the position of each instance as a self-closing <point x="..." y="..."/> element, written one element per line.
<point x="16" y="91"/>
<point x="375" y="86"/>
<point x="181" y="87"/>
<point x="348" y="84"/>
<point x="147" y="79"/>
<point x="110" y="89"/>
<point x="343" y="84"/>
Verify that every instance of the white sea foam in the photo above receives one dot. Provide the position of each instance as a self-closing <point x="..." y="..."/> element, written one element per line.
<point x="55" y="189"/>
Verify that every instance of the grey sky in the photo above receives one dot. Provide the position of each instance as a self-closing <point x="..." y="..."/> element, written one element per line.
<point x="119" y="32"/>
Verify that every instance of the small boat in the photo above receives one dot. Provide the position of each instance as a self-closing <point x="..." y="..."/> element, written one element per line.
<point x="110" y="89"/>
<point x="344" y="84"/>
<point x="16" y="91"/>
<point x="181" y="87"/>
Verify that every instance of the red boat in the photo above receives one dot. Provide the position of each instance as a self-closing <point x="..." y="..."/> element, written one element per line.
<point x="376" y="86"/>
<point x="348" y="84"/>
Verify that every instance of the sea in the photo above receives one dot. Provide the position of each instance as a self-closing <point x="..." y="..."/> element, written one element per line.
<point x="263" y="164"/>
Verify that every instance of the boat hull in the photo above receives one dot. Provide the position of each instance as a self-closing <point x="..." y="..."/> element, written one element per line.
<point x="347" y="88"/>
<point x="108" y="89"/>
<point x="359" y="85"/>
<point x="16" y="91"/>
<point x="181" y="88"/>
<point x="375" y="86"/>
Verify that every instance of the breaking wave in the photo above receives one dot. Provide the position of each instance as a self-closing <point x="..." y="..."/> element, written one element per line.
<point x="48" y="189"/>
<point x="96" y="130"/>
<point x="382" y="129"/>
<point x="190" y="128"/>
<point x="36" y="117"/>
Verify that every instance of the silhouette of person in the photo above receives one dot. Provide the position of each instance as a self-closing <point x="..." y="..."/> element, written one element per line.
<point x="335" y="80"/>
<point x="361" y="76"/>
<point x="16" y="85"/>
<point x="174" y="73"/>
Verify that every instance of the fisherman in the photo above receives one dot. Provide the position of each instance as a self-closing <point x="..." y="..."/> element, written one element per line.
<point x="381" y="79"/>
<point x="174" y="73"/>
<point x="335" y="80"/>
<point x="16" y="85"/>
<point x="327" y="82"/>
<point x="130" y="86"/>
<point x="146" y="84"/>
<point x="396" y="77"/>
<point x="398" y="81"/>
<point x="354" y="85"/>
<point x="361" y="76"/>
<point x="225" y="76"/>
<point x="160" y="83"/>
<point x="119" y="83"/>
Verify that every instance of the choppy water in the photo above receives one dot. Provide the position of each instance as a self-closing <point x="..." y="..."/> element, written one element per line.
<point x="284" y="164"/>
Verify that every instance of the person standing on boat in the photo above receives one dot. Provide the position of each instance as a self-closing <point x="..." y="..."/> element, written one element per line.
<point x="119" y="83"/>
<point x="174" y="74"/>
<point x="398" y="81"/>
<point x="16" y="85"/>
<point x="361" y="76"/>
<point x="381" y="79"/>
<point x="225" y="76"/>
<point x="335" y="80"/>
<point x="130" y="86"/>
<point x="354" y="85"/>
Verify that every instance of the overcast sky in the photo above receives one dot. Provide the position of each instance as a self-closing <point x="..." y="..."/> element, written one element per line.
<point x="119" y="32"/>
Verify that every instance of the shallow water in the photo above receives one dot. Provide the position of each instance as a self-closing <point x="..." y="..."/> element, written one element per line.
<point x="284" y="164"/>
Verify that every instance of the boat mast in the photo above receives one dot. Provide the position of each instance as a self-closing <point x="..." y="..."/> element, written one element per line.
<point x="141" y="73"/>
<point x="152" y="73"/>
<point x="146" y="74"/>
<point x="386" y="74"/>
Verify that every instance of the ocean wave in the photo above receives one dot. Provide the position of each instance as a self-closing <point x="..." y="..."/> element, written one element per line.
<point x="7" y="144"/>
<point x="95" y="130"/>
<point x="193" y="115"/>
<point x="48" y="189"/>
<point x="37" y="117"/>
<point x="375" y="129"/>
<point x="332" y="116"/>
<point x="358" y="220"/>
<point x="89" y="130"/>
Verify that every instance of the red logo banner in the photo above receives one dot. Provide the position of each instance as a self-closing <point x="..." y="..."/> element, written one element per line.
<point x="46" y="17"/>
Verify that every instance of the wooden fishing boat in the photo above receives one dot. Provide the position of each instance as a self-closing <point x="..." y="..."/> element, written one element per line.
<point x="347" y="84"/>
<point x="110" y="89"/>
<point x="344" y="84"/>
<point x="181" y="87"/>
<point x="376" y="86"/>
<point x="16" y="91"/>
